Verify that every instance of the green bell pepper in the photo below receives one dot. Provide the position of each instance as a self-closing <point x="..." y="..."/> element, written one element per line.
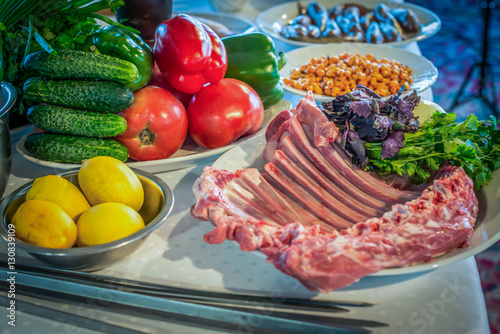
<point x="119" y="42"/>
<point x="252" y="59"/>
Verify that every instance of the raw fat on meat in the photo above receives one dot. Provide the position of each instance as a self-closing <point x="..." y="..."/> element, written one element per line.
<point x="319" y="219"/>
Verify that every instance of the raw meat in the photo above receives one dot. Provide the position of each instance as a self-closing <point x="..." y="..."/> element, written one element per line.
<point x="319" y="219"/>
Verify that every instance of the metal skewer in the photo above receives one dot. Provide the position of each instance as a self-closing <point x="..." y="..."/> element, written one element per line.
<point x="144" y="303"/>
<point x="236" y="309"/>
<point x="146" y="287"/>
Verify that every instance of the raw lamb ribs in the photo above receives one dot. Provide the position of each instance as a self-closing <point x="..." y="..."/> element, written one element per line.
<point x="323" y="220"/>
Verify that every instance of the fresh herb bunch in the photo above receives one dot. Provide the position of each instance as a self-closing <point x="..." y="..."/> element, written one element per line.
<point x="363" y="116"/>
<point x="472" y="144"/>
<point x="27" y="26"/>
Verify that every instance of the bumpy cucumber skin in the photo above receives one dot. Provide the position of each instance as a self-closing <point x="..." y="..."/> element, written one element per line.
<point x="76" y="122"/>
<point x="68" y="64"/>
<point x="104" y="96"/>
<point x="73" y="149"/>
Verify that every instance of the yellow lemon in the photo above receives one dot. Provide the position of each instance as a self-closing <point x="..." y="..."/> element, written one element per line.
<point x="60" y="191"/>
<point x="107" y="222"/>
<point x="106" y="179"/>
<point x="155" y="200"/>
<point x="44" y="224"/>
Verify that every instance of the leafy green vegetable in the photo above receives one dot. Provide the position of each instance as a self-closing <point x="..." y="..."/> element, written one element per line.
<point x="472" y="144"/>
<point x="27" y="26"/>
<point x="68" y="32"/>
<point x="363" y="116"/>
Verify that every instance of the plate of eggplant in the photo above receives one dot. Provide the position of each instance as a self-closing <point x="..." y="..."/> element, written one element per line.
<point x="302" y="23"/>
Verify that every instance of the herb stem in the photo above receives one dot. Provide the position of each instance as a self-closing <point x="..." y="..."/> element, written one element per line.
<point x="111" y="22"/>
<point x="438" y="154"/>
<point x="2" y="10"/>
<point x="1" y="56"/>
<point x="423" y="144"/>
<point x="16" y="16"/>
<point x="28" y="42"/>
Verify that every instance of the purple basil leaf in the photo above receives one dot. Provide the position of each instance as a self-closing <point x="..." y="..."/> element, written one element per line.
<point x="381" y="104"/>
<point x="363" y="92"/>
<point x="383" y="123"/>
<point x="408" y="103"/>
<point x="357" y="148"/>
<point x="392" y="144"/>
<point x="361" y="108"/>
<point x="367" y="131"/>
<point x="412" y="98"/>
<point x="406" y="108"/>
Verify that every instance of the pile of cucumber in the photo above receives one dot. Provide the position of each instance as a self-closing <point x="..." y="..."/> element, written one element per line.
<point x="81" y="93"/>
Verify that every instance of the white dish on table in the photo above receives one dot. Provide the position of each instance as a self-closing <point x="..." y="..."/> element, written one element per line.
<point x="424" y="72"/>
<point x="271" y="20"/>
<point x="486" y="231"/>
<point x="234" y="23"/>
<point x="188" y="155"/>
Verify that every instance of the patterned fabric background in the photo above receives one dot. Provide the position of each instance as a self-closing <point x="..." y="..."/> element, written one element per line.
<point x="453" y="51"/>
<point x="457" y="46"/>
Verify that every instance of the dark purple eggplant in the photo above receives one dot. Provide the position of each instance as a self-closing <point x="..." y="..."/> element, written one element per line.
<point x="366" y="20"/>
<point x="318" y="14"/>
<point x="407" y="19"/>
<point x="383" y="14"/>
<point x="313" y="31"/>
<point x="332" y="29"/>
<point x="374" y="34"/>
<point x="390" y="33"/>
<point x="293" y="31"/>
<point x="302" y="20"/>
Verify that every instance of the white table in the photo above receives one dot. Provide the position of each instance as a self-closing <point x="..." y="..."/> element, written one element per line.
<point x="446" y="300"/>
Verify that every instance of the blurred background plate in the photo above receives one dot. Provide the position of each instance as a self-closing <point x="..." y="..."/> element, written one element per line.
<point x="271" y="20"/>
<point x="188" y="155"/>
<point x="423" y="71"/>
<point x="225" y="24"/>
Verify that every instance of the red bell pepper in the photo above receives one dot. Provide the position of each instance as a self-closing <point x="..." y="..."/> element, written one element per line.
<point x="189" y="53"/>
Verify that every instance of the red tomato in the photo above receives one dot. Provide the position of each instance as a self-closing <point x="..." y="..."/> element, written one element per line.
<point x="157" y="124"/>
<point x="158" y="79"/>
<point x="222" y="112"/>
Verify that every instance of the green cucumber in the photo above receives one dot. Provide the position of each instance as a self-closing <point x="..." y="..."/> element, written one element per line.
<point x="72" y="149"/>
<point x="76" y="122"/>
<point x="69" y="64"/>
<point x="104" y="96"/>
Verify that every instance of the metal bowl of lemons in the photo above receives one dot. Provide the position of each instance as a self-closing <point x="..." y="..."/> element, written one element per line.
<point x="65" y="232"/>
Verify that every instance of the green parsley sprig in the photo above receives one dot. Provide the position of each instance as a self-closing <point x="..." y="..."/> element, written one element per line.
<point x="28" y="26"/>
<point x="472" y="144"/>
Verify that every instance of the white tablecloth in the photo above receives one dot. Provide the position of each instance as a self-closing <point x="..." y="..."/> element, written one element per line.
<point x="446" y="300"/>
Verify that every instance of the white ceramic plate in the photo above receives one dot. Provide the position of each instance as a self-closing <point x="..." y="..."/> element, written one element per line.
<point x="190" y="154"/>
<point x="487" y="229"/>
<point x="271" y="20"/>
<point x="236" y="24"/>
<point x="424" y="72"/>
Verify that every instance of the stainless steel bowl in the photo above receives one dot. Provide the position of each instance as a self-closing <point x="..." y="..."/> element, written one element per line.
<point x="93" y="257"/>
<point x="7" y="99"/>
